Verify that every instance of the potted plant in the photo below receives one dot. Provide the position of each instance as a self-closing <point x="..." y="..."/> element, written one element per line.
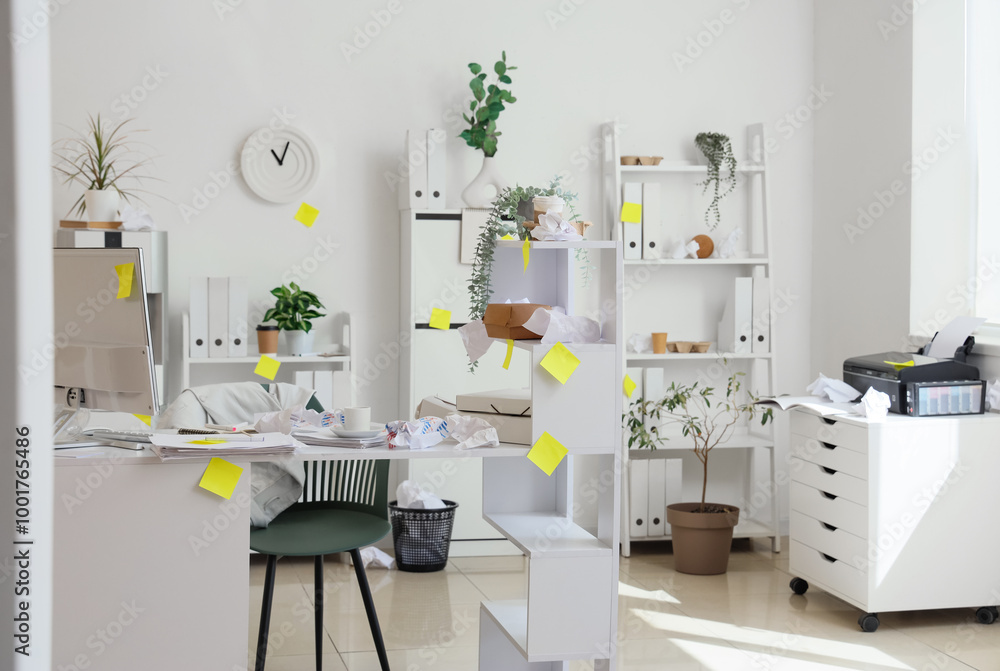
<point x="719" y="153"/>
<point x="104" y="161"/>
<point x="702" y="532"/>
<point x="489" y="100"/>
<point x="293" y="311"/>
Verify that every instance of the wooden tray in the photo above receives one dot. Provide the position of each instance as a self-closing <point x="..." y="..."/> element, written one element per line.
<point x="105" y="225"/>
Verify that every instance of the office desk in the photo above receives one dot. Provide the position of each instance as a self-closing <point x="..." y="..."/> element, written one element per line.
<point x="152" y="570"/>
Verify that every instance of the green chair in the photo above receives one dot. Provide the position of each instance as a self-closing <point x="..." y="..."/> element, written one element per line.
<point x="343" y="508"/>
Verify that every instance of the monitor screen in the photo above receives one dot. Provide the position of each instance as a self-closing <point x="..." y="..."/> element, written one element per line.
<point x="103" y="335"/>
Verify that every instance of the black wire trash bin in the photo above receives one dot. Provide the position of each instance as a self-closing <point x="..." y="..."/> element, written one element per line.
<point x="421" y="537"/>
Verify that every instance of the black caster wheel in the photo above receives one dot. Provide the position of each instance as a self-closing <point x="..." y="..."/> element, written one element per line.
<point x="986" y="615"/>
<point x="868" y="622"/>
<point x="798" y="585"/>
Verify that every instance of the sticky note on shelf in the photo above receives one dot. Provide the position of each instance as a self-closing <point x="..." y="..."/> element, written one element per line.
<point x="546" y="453"/>
<point x="124" y="272"/>
<point x="440" y="319"/>
<point x="267" y="367"/>
<point x="632" y="213"/>
<point x="145" y="419"/>
<point x="628" y="386"/>
<point x="307" y="214"/>
<point x="560" y="362"/>
<point x="526" y="253"/>
<point x="221" y="477"/>
<point x="899" y="366"/>
<point x="510" y="352"/>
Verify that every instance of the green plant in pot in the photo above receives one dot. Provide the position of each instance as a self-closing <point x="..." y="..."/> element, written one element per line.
<point x="702" y="532"/>
<point x="719" y="152"/>
<point x="490" y="98"/>
<point x="294" y="312"/>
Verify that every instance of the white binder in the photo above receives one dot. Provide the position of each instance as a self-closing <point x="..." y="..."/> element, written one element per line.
<point x="632" y="232"/>
<point x="657" y="507"/>
<point x="437" y="173"/>
<point x="237" y="308"/>
<point x="218" y="317"/>
<point x="198" y="315"/>
<point x="652" y="382"/>
<point x="323" y="384"/>
<point x="304" y="379"/>
<point x="761" y="332"/>
<point x="735" y="327"/>
<point x="653" y="238"/>
<point x="413" y="169"/>
<point x="343" y="391"/>
<point x="672" y="479"/>
<point x="638" y="495"/>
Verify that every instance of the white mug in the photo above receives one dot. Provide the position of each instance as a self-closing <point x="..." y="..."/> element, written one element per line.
<point x="357" y="419"/>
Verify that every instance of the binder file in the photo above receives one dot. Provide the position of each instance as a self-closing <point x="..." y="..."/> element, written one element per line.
<point x="761" y="327"/>
<point x="237" y="306"/>
<point x="323" y="384"/>
<point x="198" y="315"/>
<point x="638" y="495"/>
<point x="413" y="186"/>
<point x="652" y="382"/>
<point x="672" y="474"/>
<point x="652" y="222"/>
<point x="632" y="231"/>
<point x="304" y="379"/>
<point x="343" y="391"/>
<point x="735" y="329"/>
<point x="437" y="173"/>
<point x="218" y="317"/>
<point x="657" y="508"/>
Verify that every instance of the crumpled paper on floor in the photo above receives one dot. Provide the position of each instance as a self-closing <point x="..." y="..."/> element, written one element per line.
<point x="472" y="432"/>
<point x="993" y="395"/>
<point x="372" y="557"/>
<point x="551" y="226"/>
<point x="837" y="391"/>
<point x="640" y="343"/>
<point x="685" y="249"/>
<point x="475" y="339"/>
<point x="726" y="247"/>
<point x="417" y="434"/>
<point x="556" y="326"/>
<point x="409" y="494"/>
<point x="874" y="404"/>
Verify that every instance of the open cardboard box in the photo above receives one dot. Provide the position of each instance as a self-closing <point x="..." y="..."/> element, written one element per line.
<point x="504" y="320"/>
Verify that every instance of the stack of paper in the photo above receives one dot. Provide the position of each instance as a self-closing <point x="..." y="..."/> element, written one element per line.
<point x="326" y="438"/>
<point x="169" y="446"/>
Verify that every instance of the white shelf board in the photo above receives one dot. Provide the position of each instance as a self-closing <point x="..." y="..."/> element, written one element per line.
<point x="571" y="346"/>
<point x="547" y="534"/>
<point x="283" y="359"/>
<point x="734" y="261"/>
<point x="511" y="617"/>
<point x="561" y="244"/>
<point x="680" y="443"/>
<point x="633" y="357"/>
<point x="683" y="166"/>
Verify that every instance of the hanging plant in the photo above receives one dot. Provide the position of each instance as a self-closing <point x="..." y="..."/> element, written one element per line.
<point x="719" y="152"/>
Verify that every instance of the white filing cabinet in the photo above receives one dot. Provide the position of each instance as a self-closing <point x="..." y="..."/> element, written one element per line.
<point x="895" y="514"/>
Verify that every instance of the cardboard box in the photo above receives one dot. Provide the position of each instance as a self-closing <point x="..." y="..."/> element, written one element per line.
<point x="501" y="402"/>
<point x="504" y="320"/>
<point x="510" y="429"/>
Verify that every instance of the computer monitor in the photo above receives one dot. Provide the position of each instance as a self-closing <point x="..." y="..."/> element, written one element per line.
<point x="104" y="348"/>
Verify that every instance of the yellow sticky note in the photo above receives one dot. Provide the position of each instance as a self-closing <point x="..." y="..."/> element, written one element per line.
<point x="899" y="366"/>
<point x="205" y="442"/>
<point x="221" y="477"/>
<point x="507" y="237"/>
<point x="632" y="213"/>
<point x="560" y="362"/>
<point x="510" y="352"/>
<point x="526" y="252"/>
<point x="124" y="272"/>
<point x="307" y="214"/>
<point x="145" y="419"/>
<point x="546" y="453"/>
<point x="628" y="386"/>
<point x="440" y="319"/>
<point x="267" y="367"/>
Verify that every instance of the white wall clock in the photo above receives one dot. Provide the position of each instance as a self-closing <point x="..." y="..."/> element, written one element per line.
<point x="279" y="165"/>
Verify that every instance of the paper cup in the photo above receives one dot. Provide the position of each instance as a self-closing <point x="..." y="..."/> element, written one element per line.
<point x="357" y="419"/>
<point x="659" y="343"/>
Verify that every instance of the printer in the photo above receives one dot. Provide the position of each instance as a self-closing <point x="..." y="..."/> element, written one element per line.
<point x="919" y="385"/>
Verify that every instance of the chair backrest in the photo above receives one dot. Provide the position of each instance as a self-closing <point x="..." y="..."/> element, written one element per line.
<point x="352" y="483"/>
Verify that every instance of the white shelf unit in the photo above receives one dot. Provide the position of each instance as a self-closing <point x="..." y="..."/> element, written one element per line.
<point x="658" y="279"/>
<point x="234" y="369"/>
<point x="570" y="610"/>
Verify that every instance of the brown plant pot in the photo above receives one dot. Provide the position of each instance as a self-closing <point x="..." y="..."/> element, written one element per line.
<point x="267" y="339"/>
<point x="701" y="540"/>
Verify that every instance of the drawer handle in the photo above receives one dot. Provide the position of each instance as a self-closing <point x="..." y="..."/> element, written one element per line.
<point x="829" y="446"/>
<point x="828" y="557"/>
<point x="829" y="471"/>
<point x="828" y="527"/>
<point x="832" y="497"/>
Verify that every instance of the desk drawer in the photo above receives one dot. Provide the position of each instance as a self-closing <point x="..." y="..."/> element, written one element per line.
<point x="837" y="457"/>
<point x="811" y="564"/>
<point x="829" y="540"/>
<point x="829" y="480"/>
<point x="838" y="511"/>
<point x="832" y="431"/>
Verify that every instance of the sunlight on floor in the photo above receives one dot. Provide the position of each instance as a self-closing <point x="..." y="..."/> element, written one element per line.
<point x="722" y="657"/>
<point x="625" y="590"/>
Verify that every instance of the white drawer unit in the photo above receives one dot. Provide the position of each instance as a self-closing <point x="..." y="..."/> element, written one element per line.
<point x="888" y="515"/>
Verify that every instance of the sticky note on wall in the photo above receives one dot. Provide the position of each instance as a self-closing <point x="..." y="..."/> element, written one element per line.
<point x="307" y="214"/>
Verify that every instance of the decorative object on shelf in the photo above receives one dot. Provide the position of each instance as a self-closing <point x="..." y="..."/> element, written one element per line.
<point x="293" y="311"/>
<point x="659" y="343"/>
<point x="104" y="160"/>
<point x="267" y="339"/>
<point x="701" y="532"/>
<point x="482" y="132"/>
<point x="650" y="160"/>
<point x="727" y="246"/>
<point x="279" y="165"/>
<point x="630" y="160"/>
<point x="719" y="152"/>
<point x="705" y="246"/>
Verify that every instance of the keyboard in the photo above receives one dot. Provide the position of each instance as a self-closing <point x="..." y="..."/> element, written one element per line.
<point x="120" y="434"/>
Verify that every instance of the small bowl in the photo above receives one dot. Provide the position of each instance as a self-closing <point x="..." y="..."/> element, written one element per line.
<point x="683" y="346"/>
<point x="671" y="347"/>
<point x="630" y="160"/>
<point x="700" y="347"/>
<point x="650" y="160"/>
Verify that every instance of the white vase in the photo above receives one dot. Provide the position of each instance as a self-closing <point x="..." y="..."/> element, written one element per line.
<point x="299" y="342"/>
<point x="101" y="205"/>
<point x="487" y="185"/>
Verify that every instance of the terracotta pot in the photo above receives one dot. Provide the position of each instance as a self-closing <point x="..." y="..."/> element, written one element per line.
<point x="701" y="540"/>
<point x="267" y="339"/>
<point x="659" y="343"/>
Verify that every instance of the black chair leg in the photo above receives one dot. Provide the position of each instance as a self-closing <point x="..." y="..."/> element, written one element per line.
<point x="318" y="610"/>
<point x="265" y="611"/>
<point x="366" y="596"/>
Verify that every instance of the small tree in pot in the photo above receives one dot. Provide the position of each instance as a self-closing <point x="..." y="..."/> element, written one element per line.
<point x="702" y="532"/>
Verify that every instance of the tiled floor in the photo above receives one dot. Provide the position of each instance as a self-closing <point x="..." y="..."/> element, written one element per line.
<point x="745" y="619"/>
